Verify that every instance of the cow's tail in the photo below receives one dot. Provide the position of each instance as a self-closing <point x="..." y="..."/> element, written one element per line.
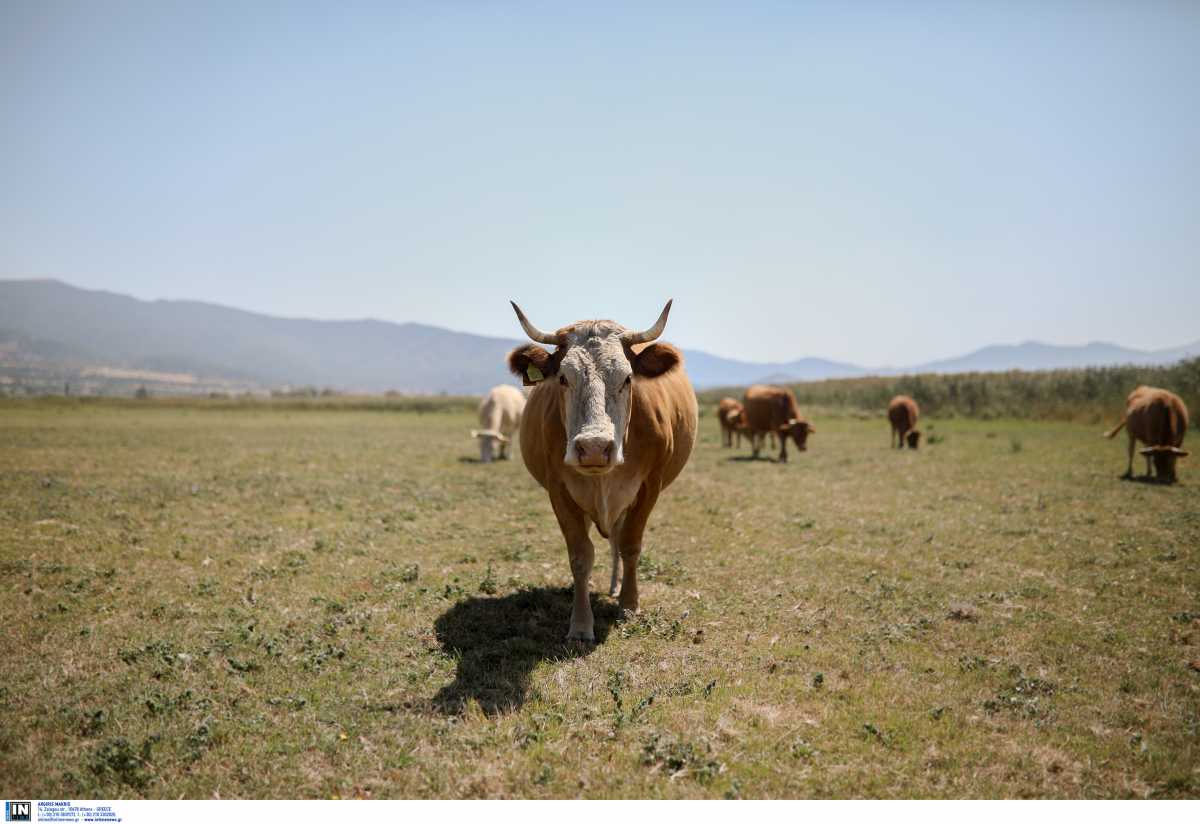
<point x="1172" y="425"/>
<point x="1112" y="433"/>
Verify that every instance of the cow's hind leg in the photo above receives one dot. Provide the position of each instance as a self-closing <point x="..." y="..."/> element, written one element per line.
<point x="581" y="553"/>
<point x="614" y="541"/>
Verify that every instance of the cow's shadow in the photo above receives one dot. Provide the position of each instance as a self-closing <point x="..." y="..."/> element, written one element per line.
<point x="1152" y="480"/>
<point x="749" y="458"/>
<point x="497" y="642"/>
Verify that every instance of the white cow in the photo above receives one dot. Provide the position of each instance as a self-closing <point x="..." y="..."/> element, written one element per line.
<point x="500" y="416"/>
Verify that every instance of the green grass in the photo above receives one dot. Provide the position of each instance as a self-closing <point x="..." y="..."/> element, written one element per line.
<point x="266" y="602"/>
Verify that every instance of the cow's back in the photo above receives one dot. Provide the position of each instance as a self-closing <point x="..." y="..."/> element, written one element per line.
<point x="500" y="410"/>
<point x="903" y="412"/>
<point x="769" y="407"/>
<point x="1157" y="417"/>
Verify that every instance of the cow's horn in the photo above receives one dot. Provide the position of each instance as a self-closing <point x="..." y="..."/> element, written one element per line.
<point x="653" y="332"/>
<point x="532" y="331"/>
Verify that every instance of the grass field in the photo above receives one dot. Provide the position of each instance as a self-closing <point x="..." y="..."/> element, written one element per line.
<point x="310" y="603"/>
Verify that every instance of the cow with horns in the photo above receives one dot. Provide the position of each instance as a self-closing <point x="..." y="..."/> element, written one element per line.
<point x="610" y="423"/>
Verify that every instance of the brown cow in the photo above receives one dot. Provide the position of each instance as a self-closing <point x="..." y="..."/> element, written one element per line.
<point x="1159" y="419"/>
<point x="610" y="423"/>
<point x="734" y="423"/>
<point x="730" y="417"/>
<point x="903" y="412"/>
<point x="773" y="409"/>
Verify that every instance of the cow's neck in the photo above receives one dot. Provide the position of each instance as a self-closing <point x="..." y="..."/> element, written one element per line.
<point x="606" y="497"/>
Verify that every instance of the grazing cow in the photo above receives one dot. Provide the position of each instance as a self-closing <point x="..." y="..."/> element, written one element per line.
<point x="733" y="422"/>
<point x="500" y="416"/>
<point x="773" y="409"/>
<point x="903" y="412"/>
<point x="730" y="416"/>
<point x="610" y="423"/>
<point x="1159" y="419"/>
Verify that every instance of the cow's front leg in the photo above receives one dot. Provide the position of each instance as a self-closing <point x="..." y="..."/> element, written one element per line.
<point x="581" y="553"/>
<point x="783" y="448"/>
<point x="582" y="623"/>
<point x="632" y="526"/>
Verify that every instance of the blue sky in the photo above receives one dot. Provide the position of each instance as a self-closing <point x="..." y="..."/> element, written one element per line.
<point x="883" y="183"/>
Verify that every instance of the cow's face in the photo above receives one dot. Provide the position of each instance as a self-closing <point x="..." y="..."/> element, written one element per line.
<point x="799" y="430"/>
<point x="489" y="441"/>
<point x="914" y="439"/>
<point x="1165" y="458"/>
<point x="593" y="368"/>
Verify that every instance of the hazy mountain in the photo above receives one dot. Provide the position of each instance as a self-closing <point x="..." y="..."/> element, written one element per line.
<point x="1032" y="355"/>
<point x="46" y="321"/>
<point x="710" y="370"/>
<point x="93" y="327"/>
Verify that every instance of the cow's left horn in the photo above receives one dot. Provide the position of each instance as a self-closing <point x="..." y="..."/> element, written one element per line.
<point x="653" y="332"/>
<point x="534" y="333"/>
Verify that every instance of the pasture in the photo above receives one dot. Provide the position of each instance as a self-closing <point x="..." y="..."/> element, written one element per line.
<point x="208" y="601"/>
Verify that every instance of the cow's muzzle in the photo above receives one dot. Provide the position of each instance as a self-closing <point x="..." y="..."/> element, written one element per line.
<point x="592" y="453"/>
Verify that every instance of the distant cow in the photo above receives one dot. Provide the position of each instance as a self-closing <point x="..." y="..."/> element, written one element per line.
<point x="903" y="412"/>
<point x="500" y="416"/>
<point x="773" y="409"/>
<point x="610" y="423"/>
<point x="730" y="415"/>
<point x="1159" y="419"/>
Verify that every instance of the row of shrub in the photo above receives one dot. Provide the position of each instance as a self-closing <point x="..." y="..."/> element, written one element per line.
<point x="1087" y="395"/>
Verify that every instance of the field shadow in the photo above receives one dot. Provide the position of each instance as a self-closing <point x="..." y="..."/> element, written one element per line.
<point x="498" y="641"/>
<point x="470" y="460"/>
<point x="1152" y="480"/>
<point x="749" y="458"/>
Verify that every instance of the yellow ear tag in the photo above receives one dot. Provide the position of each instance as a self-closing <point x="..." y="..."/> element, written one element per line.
<point x="535" y="374"/>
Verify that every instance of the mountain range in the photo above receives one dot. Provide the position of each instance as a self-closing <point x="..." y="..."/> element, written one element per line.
<point x="48" y="322"/>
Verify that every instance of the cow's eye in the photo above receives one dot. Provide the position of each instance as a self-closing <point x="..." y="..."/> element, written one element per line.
<point x="628" y="381"/>
<point x="562" y="381"/>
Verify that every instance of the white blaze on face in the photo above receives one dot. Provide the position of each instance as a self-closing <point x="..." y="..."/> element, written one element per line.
<point x="595" y="377"/>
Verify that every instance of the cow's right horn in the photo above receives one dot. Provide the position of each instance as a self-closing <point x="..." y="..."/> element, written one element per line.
<point x="532" y="331"/>
<point x="653" y="332"/>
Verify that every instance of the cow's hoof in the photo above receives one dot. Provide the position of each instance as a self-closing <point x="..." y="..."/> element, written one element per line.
<point x="584" y="635"/>
<point x="613" y="591"/>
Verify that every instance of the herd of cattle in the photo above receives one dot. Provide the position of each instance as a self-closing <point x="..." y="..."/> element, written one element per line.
<point x="612" y="418"/>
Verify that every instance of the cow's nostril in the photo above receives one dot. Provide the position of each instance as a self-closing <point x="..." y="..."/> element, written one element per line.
<point x="608" y="452"/>
<point x="580" y="452"/>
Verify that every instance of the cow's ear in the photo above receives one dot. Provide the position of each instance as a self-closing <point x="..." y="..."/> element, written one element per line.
<point x="532" y="364"/>
<point x="656" y="359"/>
